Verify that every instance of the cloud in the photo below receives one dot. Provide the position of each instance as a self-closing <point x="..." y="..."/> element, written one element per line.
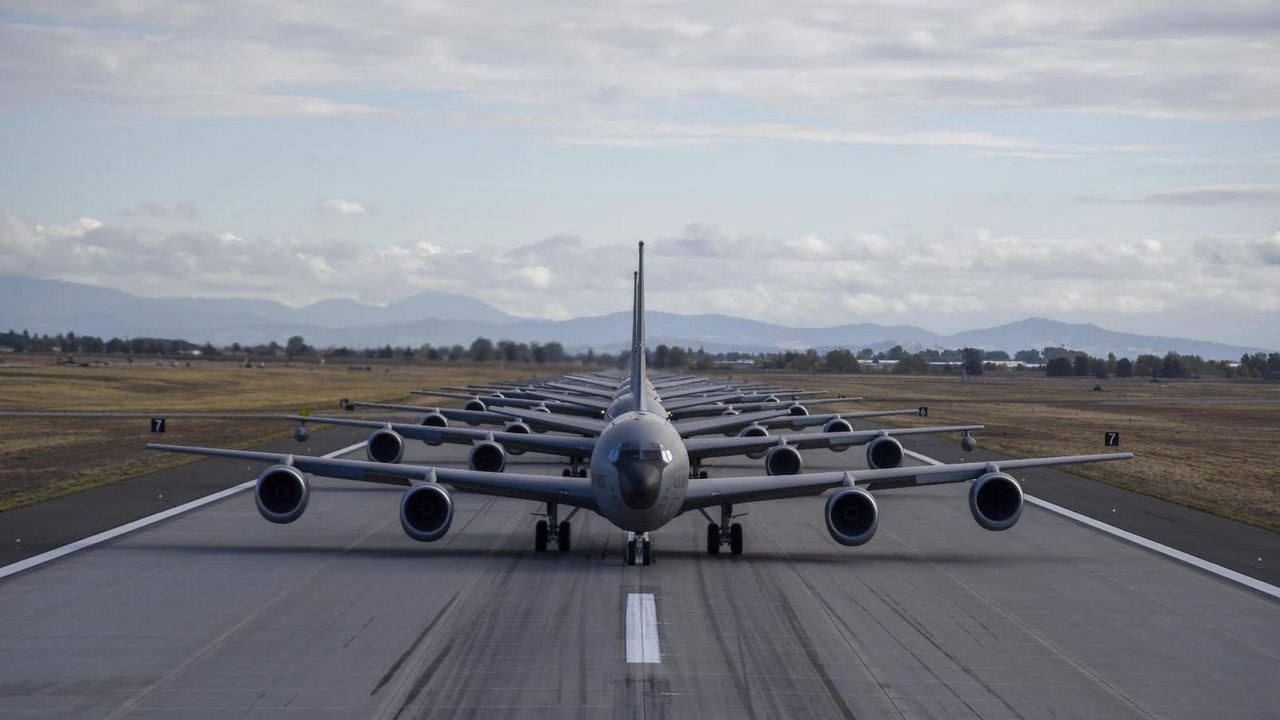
<point x="337" y="207"/>
<point x="161" y="211"/>
<point x="981" y="276"/>
<point x="1228" y="194"/>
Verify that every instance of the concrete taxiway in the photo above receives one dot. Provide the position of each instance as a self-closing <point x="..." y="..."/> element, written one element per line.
<point x="216" y="613"/>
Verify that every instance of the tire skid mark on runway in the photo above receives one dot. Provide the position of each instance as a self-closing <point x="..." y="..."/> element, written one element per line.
<point x="132" y="704"/>
<point x="806" y="643"/>
<point x="923" y="632"/>
<point x="1066" y="657"/>
<point x="395" y="667"/>
<point x="709" y="609"/>
<point x="836" y="620"/>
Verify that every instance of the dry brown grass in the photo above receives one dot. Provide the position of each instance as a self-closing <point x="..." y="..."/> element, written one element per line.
<point x="41" y="458"/>
<point x="1208" y="444"/>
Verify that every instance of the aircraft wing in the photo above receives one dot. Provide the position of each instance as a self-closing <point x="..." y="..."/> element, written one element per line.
<point x="541" y="488"/>
<point x="803" y="421"/>
<point x="721" y="446"/>
<point x="731" y="490"/>
<point x="588" y="426"/>
<point x="467" y="416"/>
<point x="724" y="423"/>
<point x="551" y="445"/>
<point x="581" y="400"/>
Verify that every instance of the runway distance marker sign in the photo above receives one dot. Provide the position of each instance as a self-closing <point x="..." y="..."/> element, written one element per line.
<point x="1111" y="439"/>
<point x="157" y="425"/>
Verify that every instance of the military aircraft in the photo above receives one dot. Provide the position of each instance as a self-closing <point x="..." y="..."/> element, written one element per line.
<point x="640" y="479"/>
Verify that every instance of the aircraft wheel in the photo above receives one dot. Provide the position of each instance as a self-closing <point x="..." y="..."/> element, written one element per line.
<point x="647" y="547"/>
<point x="631" y="552"/>
<point x="582" y="473"/>
<point x="735" y="539"/>
<point x="564" y="536"/>
<point x="713" y="539"/>
<point x="540" y="536"/>
<point x="702" y="474"/>
<point x="566" y="472"/>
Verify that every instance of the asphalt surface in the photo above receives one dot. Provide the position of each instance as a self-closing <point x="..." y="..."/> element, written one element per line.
<point x="217" y="613"/>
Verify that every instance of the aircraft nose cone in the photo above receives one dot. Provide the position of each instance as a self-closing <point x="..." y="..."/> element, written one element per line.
<point x="639" y="484"/>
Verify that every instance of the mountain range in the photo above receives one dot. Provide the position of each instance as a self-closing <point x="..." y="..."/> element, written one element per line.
<point x="52" y="306"/>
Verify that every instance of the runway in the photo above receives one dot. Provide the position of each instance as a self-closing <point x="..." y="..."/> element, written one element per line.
<point x="217" y="613"/>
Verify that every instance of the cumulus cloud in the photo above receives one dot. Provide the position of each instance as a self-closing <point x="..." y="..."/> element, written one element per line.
<point x="800" y="280"/>
<point x="337" y="207"/>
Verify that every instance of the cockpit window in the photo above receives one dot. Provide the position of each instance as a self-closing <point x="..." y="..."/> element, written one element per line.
<point x="654" y="452"/>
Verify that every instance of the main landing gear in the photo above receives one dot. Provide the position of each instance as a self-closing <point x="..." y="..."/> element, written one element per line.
<point x="639" y="549"/>
<point x="575" y="468"/>
<point x="723" y="533"/>
<point x="553" y="531"/>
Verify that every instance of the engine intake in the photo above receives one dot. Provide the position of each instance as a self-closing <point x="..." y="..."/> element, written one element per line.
<point x="281" y="494"/>
<point x="837" y="425"/>
<point x="385" y="446"/>
<point x="426" y="512"/>
<point x="798" y="410"/>
<point x="783" y="460"/>
<point x="488" y="456"/>
<point x="884" y="452"/>
<point x="995" y="499"/>
<point x="520" y="429"/>
<point x="752" y="431"/>
<point x="852" y="516"/>
<point x="475" y="404"/>
<point x="435" y="419"/>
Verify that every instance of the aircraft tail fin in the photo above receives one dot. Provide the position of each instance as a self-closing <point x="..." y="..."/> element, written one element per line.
<point x="637" y="340"/>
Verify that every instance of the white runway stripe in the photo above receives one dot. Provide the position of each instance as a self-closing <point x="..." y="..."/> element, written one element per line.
<point x="54" y="554"/>
<point x="642" y="629"/>
<point x="1201" y="563"/>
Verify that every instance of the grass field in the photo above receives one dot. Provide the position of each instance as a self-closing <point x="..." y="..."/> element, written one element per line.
<point x="1208" y="444"/>
<point x="42" y="458"/>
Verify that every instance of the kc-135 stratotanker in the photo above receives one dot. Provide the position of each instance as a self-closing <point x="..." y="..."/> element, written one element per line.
<point x="642" y="459"/>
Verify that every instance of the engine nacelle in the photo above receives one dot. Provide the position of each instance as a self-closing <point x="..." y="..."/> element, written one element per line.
<point x="520" y="428"/>
<point x="435" y="419"/>
<point x="884" y="452"/>
<point x="783" y="460"/>
<point x="968" y="443"/>
<point x="477" y="405"/>
<point x="772" y="399"/>
<point x="751" y="431"/>
<point x="301" y="434"/>
<point x="837" y="425"/>
<point x="995" y="500"/>
<point x="426" y="512"/>
<point x="731" y="411"/>
<point x="488" y="456"/>
<point x="385" y="446"/>
<point x="852" y="516"/>
<point x="798" y="410"/>
<point x="281" y="494"/>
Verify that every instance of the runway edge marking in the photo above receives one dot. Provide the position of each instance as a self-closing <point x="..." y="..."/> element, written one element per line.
<point x="1174" y="553"/>
<point x="83" y="543"/>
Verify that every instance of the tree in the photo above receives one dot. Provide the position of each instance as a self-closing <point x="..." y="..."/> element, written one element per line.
<point x="1100" y="369"/>
<point x="481" y="350"/>
<point x="995" y="355"/>
<point x="973" y="361"/>
<point x="1124" y="367"/>
<point x="660" y="356"/>
<point x="1030" y="357"/>
<point x="1172" y="366"/>
<point x="297" y="346"/>
<point x="1083" y="364"/>
<point x="911" y="364"/>
<point x="1059" y="367"/>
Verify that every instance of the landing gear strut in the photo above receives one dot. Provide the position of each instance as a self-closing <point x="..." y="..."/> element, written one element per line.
<point x="724" y="532"/>
<point x="575" y="468"/>
<point x="553" y="530"/>
<point x="639" y="549"/>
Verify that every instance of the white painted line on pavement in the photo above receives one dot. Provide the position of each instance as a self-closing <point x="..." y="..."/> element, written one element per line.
<point x="642" y="629"/>
<point x="78" y="545"/>
<point x="1201" y="563"/>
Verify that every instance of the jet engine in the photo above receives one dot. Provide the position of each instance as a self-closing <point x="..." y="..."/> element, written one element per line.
<point x="995" y="499"/>
<point x="968" y="443"/>
<point x="884" y="452"/>
<point x="852" y="516"/>
<point x="520" y="428"/>
<point x="488" y="456"/>
<point x="435" y="419"/>
<point x="798" y="410"/>
<point x="281" y="494"/>
<point x="730" y="411"/>
<point x="475" y="404"/>
<point x="426" y="512"/>
<point x="385" y="446"/>
<point x="835" y="425"/>
<point x="751" y="431"/>
<point x="783" y="460"/>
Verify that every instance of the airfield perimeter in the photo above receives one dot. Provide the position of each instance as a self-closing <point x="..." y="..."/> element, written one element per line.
<point x="216" y="613"/>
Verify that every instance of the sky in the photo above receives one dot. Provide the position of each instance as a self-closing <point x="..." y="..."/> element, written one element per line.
<point x="950" y="165"/>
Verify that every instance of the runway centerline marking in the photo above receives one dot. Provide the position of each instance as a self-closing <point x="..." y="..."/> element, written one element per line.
<point x="1173" y="553"/>
<point x="105" y="535"/>
<point x="642" y="629"/>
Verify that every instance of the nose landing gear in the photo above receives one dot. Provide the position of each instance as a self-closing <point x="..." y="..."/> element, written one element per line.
<point x="639" y="549"/>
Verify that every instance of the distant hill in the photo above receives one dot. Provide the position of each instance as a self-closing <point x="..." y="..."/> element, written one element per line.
<point x="50" y="306"/>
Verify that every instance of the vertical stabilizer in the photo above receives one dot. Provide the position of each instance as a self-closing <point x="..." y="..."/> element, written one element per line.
<point x="637" y="341"/>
